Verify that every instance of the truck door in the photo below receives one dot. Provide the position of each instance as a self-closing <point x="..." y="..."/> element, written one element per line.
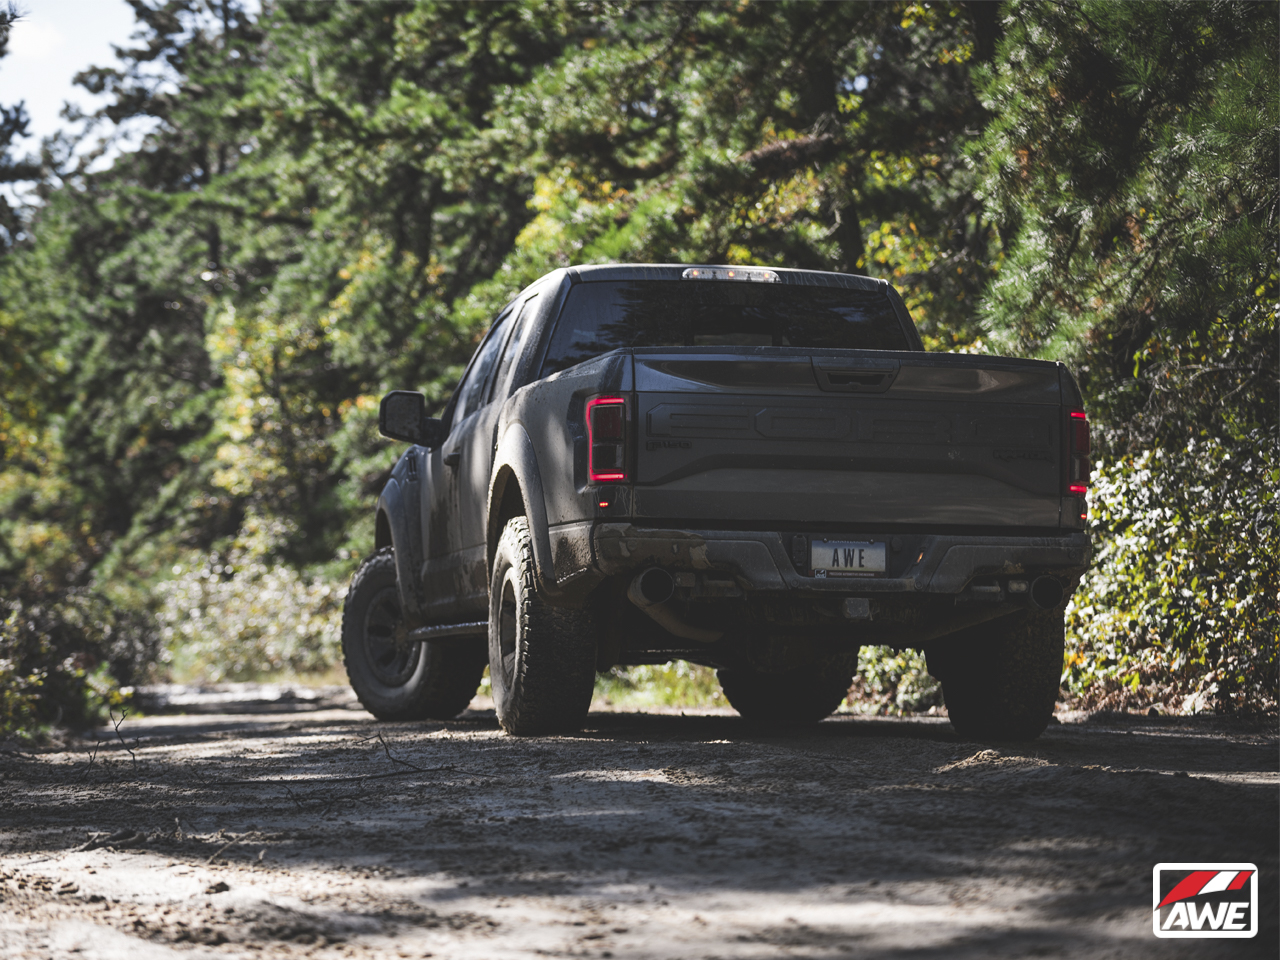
<point x="449" y="580"/>
<point x="461" y="488"/>
<point x="476" y="463"/>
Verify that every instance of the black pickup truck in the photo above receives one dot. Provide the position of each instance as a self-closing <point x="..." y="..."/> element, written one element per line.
<point x="758" y="470"/>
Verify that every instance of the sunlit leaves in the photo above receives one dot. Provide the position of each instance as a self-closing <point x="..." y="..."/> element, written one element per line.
<point x="1182" y="607"/>
<point x="1133" y="150"/>
<point x="336" y="201"/>
<point x="238" y="616"/>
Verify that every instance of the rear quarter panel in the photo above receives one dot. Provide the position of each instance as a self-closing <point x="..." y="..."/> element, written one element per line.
<point x="552" y="412"/>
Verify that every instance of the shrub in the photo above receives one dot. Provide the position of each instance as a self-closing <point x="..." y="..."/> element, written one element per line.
<point x="1182" y="605"/>
<point x="675" y="684"/>
<point x="242" y="617"/>
<point x="67" y="657"/>
<point x="893" y="682"/>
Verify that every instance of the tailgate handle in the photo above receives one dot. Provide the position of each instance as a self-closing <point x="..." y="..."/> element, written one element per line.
<point x="860" y="376"/>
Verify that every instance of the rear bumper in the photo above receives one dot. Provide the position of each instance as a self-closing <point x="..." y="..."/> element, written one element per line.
<point x="763" y="560"/>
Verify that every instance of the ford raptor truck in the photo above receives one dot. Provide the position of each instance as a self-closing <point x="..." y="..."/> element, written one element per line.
<point x="757" y="470"/>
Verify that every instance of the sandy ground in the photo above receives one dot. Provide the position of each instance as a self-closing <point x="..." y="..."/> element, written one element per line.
<point x="314" y="830"/>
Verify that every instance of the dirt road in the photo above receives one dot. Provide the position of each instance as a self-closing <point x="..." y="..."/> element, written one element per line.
<point x="320" y="832"/>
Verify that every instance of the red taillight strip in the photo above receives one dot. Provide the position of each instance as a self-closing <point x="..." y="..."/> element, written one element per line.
<point x="1077" y="458"/>
<point x="612" y="475"/>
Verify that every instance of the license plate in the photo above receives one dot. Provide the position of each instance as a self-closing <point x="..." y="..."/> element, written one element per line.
<point x="848" y="557"/>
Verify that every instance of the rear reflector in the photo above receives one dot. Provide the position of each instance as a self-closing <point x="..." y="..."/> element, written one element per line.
<point x="606" y="439"/>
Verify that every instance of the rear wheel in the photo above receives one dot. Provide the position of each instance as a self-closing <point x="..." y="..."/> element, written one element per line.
<point x="541" y="658"/>
<point x="1000" y="679"/>
<point x="802" y="695"/>
<point x="393" y="678"/>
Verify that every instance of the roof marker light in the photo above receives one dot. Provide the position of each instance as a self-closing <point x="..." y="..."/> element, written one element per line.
<point x="731" y="273"/>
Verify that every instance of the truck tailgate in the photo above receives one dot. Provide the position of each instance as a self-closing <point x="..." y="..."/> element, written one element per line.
<point x="772" y="435"/>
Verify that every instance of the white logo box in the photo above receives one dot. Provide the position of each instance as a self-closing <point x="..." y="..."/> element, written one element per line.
<point x="1223" y="875"/>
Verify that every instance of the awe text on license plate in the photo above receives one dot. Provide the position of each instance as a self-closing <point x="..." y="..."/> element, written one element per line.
<point x="846" y="557"/>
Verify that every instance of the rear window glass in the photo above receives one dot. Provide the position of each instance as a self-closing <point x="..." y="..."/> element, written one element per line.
<point x="605" y="315"/>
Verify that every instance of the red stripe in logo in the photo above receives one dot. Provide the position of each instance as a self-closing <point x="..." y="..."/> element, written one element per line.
<point x="1241" y="879"/>
<point x="1189" y="886"/>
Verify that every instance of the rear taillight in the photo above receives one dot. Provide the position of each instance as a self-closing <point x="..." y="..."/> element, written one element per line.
<point x="607" y="439"/>
<point x="1078" y="465"/>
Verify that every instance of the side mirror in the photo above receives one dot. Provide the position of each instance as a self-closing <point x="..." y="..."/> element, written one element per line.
<point x="402" y="415"/>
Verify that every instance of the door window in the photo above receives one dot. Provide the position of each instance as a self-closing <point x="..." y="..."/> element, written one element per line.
<point x="473" y="388"/>
<point x="514" y="345"/>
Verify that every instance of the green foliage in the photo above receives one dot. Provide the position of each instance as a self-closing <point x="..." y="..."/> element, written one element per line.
<point x="19" y="691"/>
<point x="336" y="198"/>
<point x="64" y="656"/>
<point x="13" y="124"/>
<point x="675" y="684"/>
<point x="1180" y="607"/>
<point x="1134" y="146"/>
<point x="799" y="134"/>
<point x="893" y="682"/>
<point x="242" y="617"/>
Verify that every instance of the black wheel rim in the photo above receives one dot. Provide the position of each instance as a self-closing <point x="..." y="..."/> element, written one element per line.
<point x="507" y="631"/>
<point x="392" y="661"/>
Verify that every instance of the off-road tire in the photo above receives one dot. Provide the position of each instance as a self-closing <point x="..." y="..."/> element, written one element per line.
<point x="405" y="681"/>
<point x="541" y="658"/>
<point x="800" y="696"/>
<point x="1000" y="679"/>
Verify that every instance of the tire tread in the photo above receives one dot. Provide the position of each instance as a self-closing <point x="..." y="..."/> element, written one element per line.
<point x="448" y="680"/>
<point x="555" y="670"/>
<point x="1000" y="680"/>
<point x="801" y="696"/>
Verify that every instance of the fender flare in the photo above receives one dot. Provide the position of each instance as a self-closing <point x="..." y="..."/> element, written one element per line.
<point x="391" y="504"/>
<point x="516" y="462"/>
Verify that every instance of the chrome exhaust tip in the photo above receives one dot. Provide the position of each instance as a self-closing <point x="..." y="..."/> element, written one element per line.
<point x="650" y="590"/>
<point x="651" y="586"/>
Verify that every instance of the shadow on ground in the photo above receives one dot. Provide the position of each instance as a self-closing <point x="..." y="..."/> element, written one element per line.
<point x="885" y="837"/>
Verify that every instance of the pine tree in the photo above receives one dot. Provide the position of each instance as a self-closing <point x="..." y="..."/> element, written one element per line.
<point x="1133" y="148"/>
